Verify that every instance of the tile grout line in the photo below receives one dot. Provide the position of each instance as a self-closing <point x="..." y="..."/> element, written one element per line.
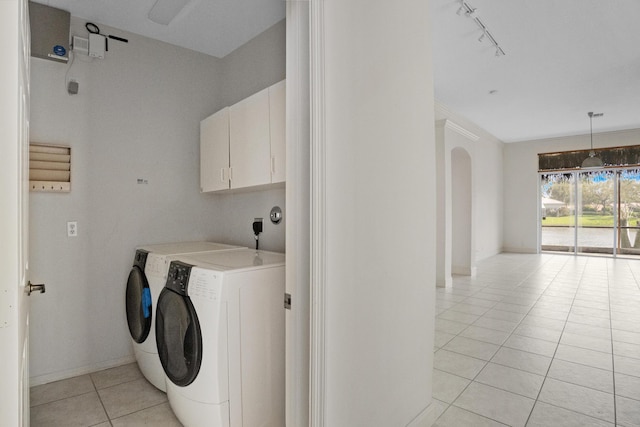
<point x="536" y="400"/>
<point x="501" y="346"/>
<point x="104" y="408"/>
<point x="613" y="359"/>
<point x="558" y="343"/>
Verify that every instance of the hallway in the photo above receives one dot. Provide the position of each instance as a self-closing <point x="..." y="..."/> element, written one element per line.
<point x="540" y="340"/>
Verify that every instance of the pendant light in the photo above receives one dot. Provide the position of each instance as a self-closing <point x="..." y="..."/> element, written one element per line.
<point x="592" y="161"/>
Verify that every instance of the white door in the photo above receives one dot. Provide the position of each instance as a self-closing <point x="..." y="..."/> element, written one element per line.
<point x="214" y="152"/>
<point x="249" y="147"/>
<point x="277" y="126"/>
<point x="14" y="137"/>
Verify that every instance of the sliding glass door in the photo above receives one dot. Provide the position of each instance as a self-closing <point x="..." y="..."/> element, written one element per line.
<point x="595" y="233"/>
<point x="557" y="208"/>
<point x="591" y="212"/>
<point x="628" y="211"/>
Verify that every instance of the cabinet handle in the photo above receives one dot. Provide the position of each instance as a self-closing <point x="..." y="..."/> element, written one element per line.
<point x="230" y="174"/>
<point x="273" y="165"/>
<point x="221" y="174"/>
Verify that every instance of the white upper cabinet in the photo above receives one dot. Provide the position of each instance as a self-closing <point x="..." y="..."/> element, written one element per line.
<point x="249" y="148"/>
<point x="244" y="145"/>
<point x="214" y="152"/>
<point x="277" y="115"/>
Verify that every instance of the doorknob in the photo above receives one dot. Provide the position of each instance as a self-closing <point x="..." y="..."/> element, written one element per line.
<point x="34" y="288"/>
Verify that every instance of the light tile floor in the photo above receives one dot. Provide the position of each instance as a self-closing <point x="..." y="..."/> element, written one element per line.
<point x="540" y="340"/>
<point x="536" y="340"/>
<point x="117" y="397"/>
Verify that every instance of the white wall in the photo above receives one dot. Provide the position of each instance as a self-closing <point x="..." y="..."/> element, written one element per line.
<point x="380" y="228"/>
<point x="521" y="181"/>
<point x="486" y="152"/>
<point x="252" y="67"/>
<point x="136" y="116"/>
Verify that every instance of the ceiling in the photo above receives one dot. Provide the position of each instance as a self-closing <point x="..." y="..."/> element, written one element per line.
<point x="563" y="58"/>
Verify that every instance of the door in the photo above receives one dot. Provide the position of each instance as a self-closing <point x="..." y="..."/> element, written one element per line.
<point x="178" y="333"/>
<point x="214" y="152"/>
<point x="594" y="212"/>
<point x="249" y="146"/>
<point x="14" y="137"/>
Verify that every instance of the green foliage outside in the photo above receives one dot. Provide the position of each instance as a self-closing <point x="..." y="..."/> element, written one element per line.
<point x="585" y="221"/>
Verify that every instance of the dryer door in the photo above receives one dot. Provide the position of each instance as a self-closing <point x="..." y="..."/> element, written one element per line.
<point x="138" y="305"/>
<point x="178" y="337"/>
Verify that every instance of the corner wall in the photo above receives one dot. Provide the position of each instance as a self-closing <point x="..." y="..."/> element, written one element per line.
<point x="377" y="268"/>
<point x="486" y="153"/>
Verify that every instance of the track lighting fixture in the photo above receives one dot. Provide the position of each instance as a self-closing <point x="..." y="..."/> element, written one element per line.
<point x="470" y="12"/>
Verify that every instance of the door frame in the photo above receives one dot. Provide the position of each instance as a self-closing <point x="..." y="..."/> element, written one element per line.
<point x="14" y="133"/>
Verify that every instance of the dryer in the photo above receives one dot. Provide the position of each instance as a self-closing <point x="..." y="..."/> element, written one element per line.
<point x="220" y="331"/>
<point x="145" y="282"/>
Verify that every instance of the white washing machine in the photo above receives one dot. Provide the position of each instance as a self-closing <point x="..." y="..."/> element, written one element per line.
<point x="220" y="331"/>
<point x="146" y="280"/>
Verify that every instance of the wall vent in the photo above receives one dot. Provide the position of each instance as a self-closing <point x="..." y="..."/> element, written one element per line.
<point x="49" y="168"/>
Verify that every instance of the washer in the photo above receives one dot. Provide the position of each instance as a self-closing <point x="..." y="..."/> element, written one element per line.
<point x="146" y="280"/>
<point x="220" y="331"/>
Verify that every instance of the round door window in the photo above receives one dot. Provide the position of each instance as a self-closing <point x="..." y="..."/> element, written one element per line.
<point x="178" y="337"/>
<point x="138" y="305"/>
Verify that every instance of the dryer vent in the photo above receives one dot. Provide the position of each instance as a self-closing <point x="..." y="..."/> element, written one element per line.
<point x="49" y="32"/>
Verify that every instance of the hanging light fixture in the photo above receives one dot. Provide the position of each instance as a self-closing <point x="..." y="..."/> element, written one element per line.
<point x="592" y="161"/>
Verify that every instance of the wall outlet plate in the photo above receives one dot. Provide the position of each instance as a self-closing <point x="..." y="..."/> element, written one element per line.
<point x="72" y="229"/>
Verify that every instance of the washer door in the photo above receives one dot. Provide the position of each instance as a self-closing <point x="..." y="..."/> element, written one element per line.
<point x="138" y="305"/>
<point x="178" y="337"/>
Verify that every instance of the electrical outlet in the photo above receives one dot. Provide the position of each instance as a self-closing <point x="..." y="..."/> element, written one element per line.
<point x="72" y="229"/>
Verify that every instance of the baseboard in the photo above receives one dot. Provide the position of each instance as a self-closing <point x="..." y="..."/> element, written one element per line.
<point x="462" y="271"/>
<point x="519" y="250"/>
<point x="446" y="283"/>
<point x="63" y="375"/>
<point x="426" y="418"/>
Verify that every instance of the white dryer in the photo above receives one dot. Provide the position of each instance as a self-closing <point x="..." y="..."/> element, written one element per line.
<point x="146" y="280"/>
<point x="220" y="331"/>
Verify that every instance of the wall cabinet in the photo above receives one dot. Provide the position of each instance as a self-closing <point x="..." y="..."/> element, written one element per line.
<point x="243" y="145"/>
<point x="214" y="152"/>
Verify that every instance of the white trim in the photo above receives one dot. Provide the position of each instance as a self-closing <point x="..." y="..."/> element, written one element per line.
<point x="447" y="283"/>
<point x="318" y="217"/>
<point x="459" y="129"/>
<point x="463" y="270"/>
<point x="70" y="373"/>
<point x="519" y="250"/>
<point x="297" y="209"/>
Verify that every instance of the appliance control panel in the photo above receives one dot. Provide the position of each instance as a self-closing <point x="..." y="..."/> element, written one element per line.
<point x="140" y="260"/>
<point x="178" y="277"/>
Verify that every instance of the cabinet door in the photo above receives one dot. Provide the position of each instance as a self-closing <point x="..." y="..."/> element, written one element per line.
<point x="214" y="152"/>
<point x="249" y="146"/>
<point x="277" y="97"/>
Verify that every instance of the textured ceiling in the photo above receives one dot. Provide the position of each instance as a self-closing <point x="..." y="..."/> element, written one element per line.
<point x="563" y="57"/>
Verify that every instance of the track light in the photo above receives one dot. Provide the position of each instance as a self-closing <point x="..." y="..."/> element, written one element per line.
<point x="470" y="12"/>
